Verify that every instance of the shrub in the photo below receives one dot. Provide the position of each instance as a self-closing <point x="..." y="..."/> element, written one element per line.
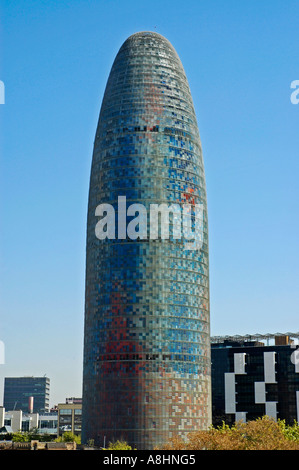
<point x="261" y="434"/>
<point x="119" y="445"/>
<point x="69" y="437"/>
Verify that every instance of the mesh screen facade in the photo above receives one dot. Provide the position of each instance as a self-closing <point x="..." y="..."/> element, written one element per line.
<point x="146" y="373"/>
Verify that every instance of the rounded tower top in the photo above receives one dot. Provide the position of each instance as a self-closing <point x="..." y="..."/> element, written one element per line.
<point x="145" y="37"/>
<point x="143" y="34"/>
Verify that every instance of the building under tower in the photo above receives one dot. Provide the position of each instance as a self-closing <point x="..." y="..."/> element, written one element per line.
<point x="146" y="374"/>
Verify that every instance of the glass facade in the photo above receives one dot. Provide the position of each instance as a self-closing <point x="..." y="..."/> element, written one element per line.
<point x="267" y="384"/>
<point x="18" y="390"/>
<point x="69" y="418"/>
<point x="146" y="373"/>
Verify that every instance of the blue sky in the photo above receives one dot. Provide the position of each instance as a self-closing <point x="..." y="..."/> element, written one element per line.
<point x="240" y="59"/>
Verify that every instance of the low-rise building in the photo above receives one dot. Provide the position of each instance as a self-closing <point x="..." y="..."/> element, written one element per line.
<point x="69" y="418"/>
<point x="15" y="421"/>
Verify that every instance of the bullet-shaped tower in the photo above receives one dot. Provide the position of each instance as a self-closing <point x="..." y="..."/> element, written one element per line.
<point x="146" y="372"/>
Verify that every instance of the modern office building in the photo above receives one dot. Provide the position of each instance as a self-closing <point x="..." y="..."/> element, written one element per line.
<point x="147" y="343"/>
<point x="29" y="394"/>
<point x="16" y="421"/>
<point x="252" y="378"/>
<point x="69" y="418"/>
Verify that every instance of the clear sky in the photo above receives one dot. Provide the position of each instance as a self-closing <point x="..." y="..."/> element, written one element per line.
<point x="240" y="58"/>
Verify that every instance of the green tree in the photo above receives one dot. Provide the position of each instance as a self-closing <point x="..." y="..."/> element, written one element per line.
<point x="291" y="432"/>
<point x="260" y="434"/>
<point x="32" y="435"/>
<point x="90" y="443"/>
<point x="69" y="437"/>
<point x="20" y="437"/>
<point x="119" y="445"/>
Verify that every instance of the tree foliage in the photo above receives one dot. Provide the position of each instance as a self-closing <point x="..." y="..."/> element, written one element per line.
<point x="68" y="436"/>
<point x="28" y="436"/>
<point x="261" y="434"/>
<point x="20" y="437"/>
<point x="119" y="445"/>
<point x="34" y="434"/>
<point x="290" y="432"/>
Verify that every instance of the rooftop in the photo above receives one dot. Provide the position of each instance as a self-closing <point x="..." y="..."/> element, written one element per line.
<point x="278" y="338"/>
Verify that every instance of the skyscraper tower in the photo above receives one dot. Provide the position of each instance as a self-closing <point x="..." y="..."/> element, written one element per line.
<point x="146" y="374"/>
